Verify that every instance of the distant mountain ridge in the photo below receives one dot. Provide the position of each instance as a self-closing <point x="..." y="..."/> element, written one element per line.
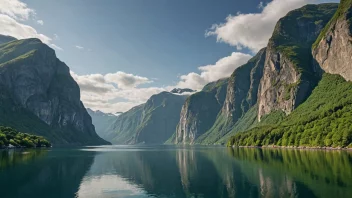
<point x="150" y="123"/>
<point x="102" y="122"/>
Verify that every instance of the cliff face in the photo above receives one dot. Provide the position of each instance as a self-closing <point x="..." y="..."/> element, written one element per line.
<point x="199" y="112"/>
<point x="289" y="74"/>
<point x="333" y="48"/>
<point x="160" y="116"/>
<point x="151" y="123"/>
<point x="38" y="84"/>
<point x="241" y="94"/>
<point x="123" y="130"/>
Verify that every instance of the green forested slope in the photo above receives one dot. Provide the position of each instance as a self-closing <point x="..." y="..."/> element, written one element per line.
<point x="323" y="120"/>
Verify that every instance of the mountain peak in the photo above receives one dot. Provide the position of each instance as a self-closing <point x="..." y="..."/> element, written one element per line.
<point x="182" y="90"/>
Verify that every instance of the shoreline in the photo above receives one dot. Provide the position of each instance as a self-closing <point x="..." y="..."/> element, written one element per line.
<point x="295" y="147"/>
<point x="14" y="148"/>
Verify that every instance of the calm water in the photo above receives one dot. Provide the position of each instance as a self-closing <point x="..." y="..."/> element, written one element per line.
<point x="163" y="171"/>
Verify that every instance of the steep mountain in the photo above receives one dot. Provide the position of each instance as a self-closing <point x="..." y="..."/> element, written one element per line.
<point x="123" y="130"/>
<point x="38" y="95"/>
<point x="199" y="112"/>
<point x="102" y="122"/>
<point x="150" y="123"/>
<point x="324" y="119"/>
<point x="275" y="81"/>
<point x="241" y="95"/>
<point x="289" y="75"/>
<point x="333" y="49"/>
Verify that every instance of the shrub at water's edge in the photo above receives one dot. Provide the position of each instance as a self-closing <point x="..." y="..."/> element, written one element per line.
<point x="9" y="136"/>
<point x="323" y="120"/>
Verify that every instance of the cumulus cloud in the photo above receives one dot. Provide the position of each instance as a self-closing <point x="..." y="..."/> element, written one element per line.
<point x="125" y="81"/>
<point x="13" y="11"/>
<point x="40" y="22"/>
<point x="100" y="92"/>
<point x="221" y="69"/>
<point x="16" y="9"/>
<point x="253" y="30"/>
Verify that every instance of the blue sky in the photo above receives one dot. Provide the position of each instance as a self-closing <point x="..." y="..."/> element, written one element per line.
<point x="122" y="51"/>
<point x="155" y="38"/>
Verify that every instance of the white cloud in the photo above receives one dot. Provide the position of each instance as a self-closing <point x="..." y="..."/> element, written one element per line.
<point x="16" y="9"/>
<point x="40" y="22"/>
<point x="79" y="47"/>
<point x="221" y="69"/>
<point x="13" y="11"/>
<point x="11" y="27"/>
<point x="125" y="81"/>
<point x="253" y="30"/>
<point x="100" y="92"/>
<point x="55" y="47"/>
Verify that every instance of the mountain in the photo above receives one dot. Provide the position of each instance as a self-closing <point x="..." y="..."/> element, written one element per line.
<point x="150" y="123"/>
<point x="6" y="39"/>
<point x="265" y="89"/>
<point x="199" y="112"/>
<point x="181" y="91"/>
<point x="324" y="118"/>
<point x="241" y="95"/>
<point x="333" y="49"/>
<point x="102" y="122"/>
<point x="289" y="75"/>
<point x="39" y="96"/>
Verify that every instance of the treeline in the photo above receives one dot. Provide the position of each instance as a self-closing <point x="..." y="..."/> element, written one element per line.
<point x="11" y="136"/>
<point x="323" y="120"/>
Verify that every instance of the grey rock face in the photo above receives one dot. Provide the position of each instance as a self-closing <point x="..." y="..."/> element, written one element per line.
<point x="334" y="51"/>
<point x="42" y="84"/>
<point x="289" y="73"/>
<point x="274" y="92"/>
<point x="241" y="95"/>
<point x="243" y="86"/>
<point x="199" y="112"/>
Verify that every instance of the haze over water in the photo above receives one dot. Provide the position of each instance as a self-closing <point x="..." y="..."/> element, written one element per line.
<point x="169" y="171"/>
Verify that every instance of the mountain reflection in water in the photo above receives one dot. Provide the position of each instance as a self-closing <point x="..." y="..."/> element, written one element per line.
<point x="169" y="171"/>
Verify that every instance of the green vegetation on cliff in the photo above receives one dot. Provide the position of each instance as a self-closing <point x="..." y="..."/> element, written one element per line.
<point x="340" y="12"/>
<point x="323" y="120"/>
<point x="11" y="136"/>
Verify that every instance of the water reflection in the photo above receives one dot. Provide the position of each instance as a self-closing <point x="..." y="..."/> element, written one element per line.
<point x="42" y="173"/>
<point x="130" y="172"/>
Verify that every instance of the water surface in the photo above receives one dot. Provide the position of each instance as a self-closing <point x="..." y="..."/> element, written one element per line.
<point x="169" y="171"/>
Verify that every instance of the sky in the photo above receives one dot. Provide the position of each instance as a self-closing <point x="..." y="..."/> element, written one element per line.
<point x="120" y="52"/>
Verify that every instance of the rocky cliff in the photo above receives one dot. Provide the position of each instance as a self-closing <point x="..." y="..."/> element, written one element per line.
<point x="289" y="74"/>
<point x="151" y="123"/>
<point x="39" y="95"/>
<point x="333" y="48"/>
<point x="277" y="79"/>
<point x="199" y="112"/>
<point x="241" y="95"/>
